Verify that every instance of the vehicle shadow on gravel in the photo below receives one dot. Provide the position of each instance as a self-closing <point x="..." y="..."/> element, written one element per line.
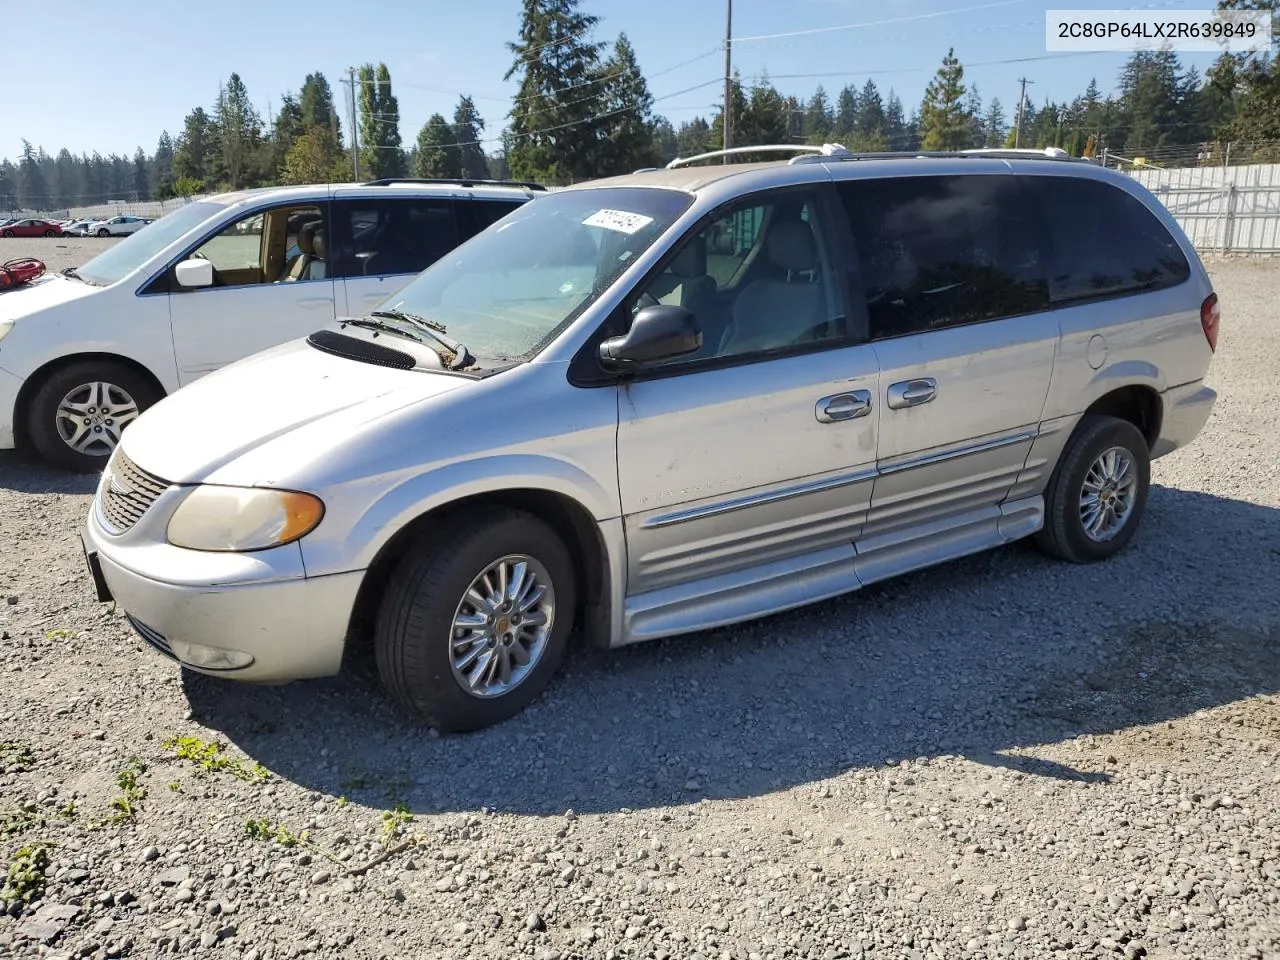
<point x="26" y="474"/>
<point x="979" y="657"/>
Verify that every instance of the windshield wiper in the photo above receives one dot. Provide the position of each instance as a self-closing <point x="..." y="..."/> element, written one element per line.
<point x="461" y="358"/>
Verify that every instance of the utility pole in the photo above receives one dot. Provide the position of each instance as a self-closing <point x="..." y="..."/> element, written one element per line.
<point x="728" y="77"/>
<point x="1022" y="99"/>
<point x="355" y="131"/>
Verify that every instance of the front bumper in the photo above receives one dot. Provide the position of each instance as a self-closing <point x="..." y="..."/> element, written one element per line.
<point x="9" y="387"/>
<point x="1186" y="411"/>
<point x="269" y="630"/>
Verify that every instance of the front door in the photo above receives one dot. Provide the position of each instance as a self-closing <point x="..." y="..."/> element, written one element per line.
<point x="748" y="467"/>
<point x="271" y="284"/>
<point x="956" y="285"/>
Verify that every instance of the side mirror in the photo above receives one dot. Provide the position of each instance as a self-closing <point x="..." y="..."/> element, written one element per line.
<point x="657" y="333"/>
<point x="194" y="273"/>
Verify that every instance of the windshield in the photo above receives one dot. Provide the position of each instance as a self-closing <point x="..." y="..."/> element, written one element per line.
<point x="137" y="248"/>
<point x="505" y="293"/>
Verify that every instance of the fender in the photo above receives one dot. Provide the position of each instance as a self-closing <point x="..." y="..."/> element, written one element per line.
<point x="1124" y="373"/>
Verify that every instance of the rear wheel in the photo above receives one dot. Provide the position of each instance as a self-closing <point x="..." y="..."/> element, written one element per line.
<point x="104" y="232"/>
<point x="1097" y="493"/>
<point x="8" y="234"/>
<point x="475" y="620"/>
<point x="77" y="415"/>
<point x="51" y="233"/>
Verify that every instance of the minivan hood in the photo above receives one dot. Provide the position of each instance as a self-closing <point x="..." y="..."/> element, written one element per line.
<point x="48" y="291"/>
<point x="192" y="433"/>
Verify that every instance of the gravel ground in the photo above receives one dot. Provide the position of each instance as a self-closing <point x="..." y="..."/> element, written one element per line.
<point x="1001" y="757"/>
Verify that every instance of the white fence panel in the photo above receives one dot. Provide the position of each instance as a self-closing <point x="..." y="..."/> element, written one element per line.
<point x="1221" y="209"/>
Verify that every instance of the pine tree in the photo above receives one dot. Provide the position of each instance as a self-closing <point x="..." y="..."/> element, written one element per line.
<point x="846" y="114"/>
<point x="944" y="122"/>
<point x="870" y="123"/>
<point x="765" y="119"/>
<point x="68" y="184"/>
<point x="896" y="133"/>
<point x="285" y="129"/>
<point x="141" y="175"/>
<point x="993" y="124"/>
<point x="8" y="187"/>
<point x="316" y="104"/>
<point x="626" y="142"/>
<point x="33" y="193"/>
<point x="162" y="168"/>
<point x="466" y="133"/>
<point x="435" y="154"/>
<point x="665" y="145"/>
<point x="314" y="158"/>
<point x="694" y="137"/>
<point x="554" y="133"/>
<point x="380" y="151"/>
<point x="818" y="120"/>
<point x="742" y="134"/>
<point x="193" y="158"/>
<point x="238" y="129"/>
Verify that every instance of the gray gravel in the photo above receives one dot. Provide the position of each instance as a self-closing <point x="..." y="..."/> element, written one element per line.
<point x="1000" y="757"/>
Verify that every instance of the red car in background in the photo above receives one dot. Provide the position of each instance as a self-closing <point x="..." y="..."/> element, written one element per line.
<point x="31" y="228"/>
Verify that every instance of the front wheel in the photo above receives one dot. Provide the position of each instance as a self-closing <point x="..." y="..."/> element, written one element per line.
<point x="475" y="620"/>
<point x="104" y="233"/>
<point x="77" y="415"/>
<point x="1098" y="491"/>
<point x="8" y="234"/>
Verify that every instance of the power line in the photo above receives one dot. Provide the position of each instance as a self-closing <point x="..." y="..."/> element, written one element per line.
<point x="877" y="23"/>
<point x="967" y="66"/>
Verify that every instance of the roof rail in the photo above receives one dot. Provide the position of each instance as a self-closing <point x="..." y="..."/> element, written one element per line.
<point x="387" y="181"/>
<point x="1013" y="153"/>
<point x="997" y="153"/>
<point x="826" y="150"/>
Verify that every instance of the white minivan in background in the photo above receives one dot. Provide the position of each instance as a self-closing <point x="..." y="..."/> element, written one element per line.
<point x="82" y="353"/>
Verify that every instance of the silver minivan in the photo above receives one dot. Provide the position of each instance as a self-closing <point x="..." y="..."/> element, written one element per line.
<point x="666" y="402"/>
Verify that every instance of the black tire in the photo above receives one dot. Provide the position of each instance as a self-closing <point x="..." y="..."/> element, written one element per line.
<point x="51" y="233"/>
<point x="8" y="234"/>
<point x="42" y="414"/>
<point x="1063" y="535"/>
<point x="412" y="636"/>
<point x="104" y="232"/>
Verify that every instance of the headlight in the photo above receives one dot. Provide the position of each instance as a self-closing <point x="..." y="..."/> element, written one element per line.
<point x="243" y="518"/>
<point x="5" y="327"/>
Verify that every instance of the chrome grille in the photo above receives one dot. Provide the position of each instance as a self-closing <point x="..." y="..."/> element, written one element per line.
<point x="128" y="493"/>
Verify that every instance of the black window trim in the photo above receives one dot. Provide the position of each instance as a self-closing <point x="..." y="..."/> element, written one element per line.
<point x="161" y="282"/>
<point x="585" y="369"/>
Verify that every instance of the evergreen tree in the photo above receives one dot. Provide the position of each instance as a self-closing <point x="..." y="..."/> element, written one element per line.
<point x="742" y="135"/>
<point x="665" y="144"/>
<point x="315" y="102"/>
<point x="33" y="193"/>
<point x="193" y="158"/>
<point x="141" y="175"/>
<point x="286" y="129"/>
<point x="162" y="168"/>
<point x="695" y="136"/>
<point x="435" y="154"/>
<point x="553" y="133"/>
<point x="765" y="119"/>
<point x="626" y="142"/>
<point x="467" y="131"/>
<point x="314" y="157"/>
<point x="846" y="118"/>
<point x="993" y="124"/>
<point x="818" y="119"/>
<point x="8" y="186"/>
<point x="380" y="152"/>
<point x="871" y="125"/>
<point x="68" y="183"/>
<point x="896" y="133"/>
<point x="944" y="121"/>
<point x="239" y="133"/>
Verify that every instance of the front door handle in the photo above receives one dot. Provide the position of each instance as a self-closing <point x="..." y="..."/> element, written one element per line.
<point x="912" y="393"/>
<point x="312" y="303"/>
<point x="844" y="406"/>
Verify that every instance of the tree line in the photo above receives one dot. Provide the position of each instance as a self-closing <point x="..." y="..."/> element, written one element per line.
<point x="583" y="109"/>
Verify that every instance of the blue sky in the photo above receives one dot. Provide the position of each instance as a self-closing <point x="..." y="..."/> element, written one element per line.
<point x="118" y="74"/>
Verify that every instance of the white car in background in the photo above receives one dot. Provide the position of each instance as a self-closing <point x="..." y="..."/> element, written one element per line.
<point x="117" y="226"/>
<point x="83" y="352"/>
<point x="78" y="228"/>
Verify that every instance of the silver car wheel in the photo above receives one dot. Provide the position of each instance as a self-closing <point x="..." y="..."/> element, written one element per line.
<point x="1107" y="496"/>
<point x="501" y="627"/>
<point x="91" y="416"/>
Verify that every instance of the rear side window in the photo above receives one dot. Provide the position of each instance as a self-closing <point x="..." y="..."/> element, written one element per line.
<point x="485" y="213"/>
<point x="937" y="252"/>
<point x="388" y="237"/>
<point x="1105" y="242"/>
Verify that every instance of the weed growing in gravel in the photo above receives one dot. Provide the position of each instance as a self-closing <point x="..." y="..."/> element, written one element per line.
<point x="25" y="879"/>
<point x="353" y="783"/>
<point x="17" y="821"/>
<point x="259" y="828"/>
<point x="209" y="758"/>
<point x="125" y="806"/>
<point x="59" y="634"/>
<point x="16" y="757"/>
<point x="394" y="821"/>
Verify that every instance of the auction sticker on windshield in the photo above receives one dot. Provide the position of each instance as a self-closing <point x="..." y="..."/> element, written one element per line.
<point x="618" y="220"/>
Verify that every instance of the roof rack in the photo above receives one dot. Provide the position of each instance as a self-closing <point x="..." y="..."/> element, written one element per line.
<point x="387" y="181"/>
<point x="997" y="153"/>
<point x="826" y="150"/>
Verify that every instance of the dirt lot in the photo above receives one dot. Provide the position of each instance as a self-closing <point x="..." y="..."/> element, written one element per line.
<point x="1001" y="757"/>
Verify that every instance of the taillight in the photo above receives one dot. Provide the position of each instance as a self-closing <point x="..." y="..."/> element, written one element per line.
<point x="1210" y="317"/>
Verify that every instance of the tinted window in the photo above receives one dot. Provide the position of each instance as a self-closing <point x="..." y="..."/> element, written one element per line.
<point x="485" y="213"/>
<point x="389" y="237"/>
<point x="1105" y="242"/>
<point x="942" y="251"/>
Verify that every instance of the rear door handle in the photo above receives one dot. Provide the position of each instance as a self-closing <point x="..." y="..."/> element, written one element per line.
<point x="844" y="406"/>
<point x="373" y="297"/>
<point x="912" y="393"/>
